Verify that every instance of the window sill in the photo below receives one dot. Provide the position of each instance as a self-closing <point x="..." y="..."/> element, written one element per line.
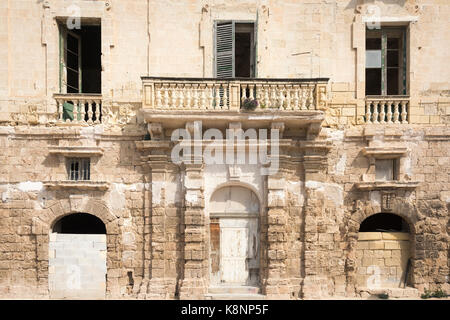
<point x="80" y="185"/>
<point x="386" y="185"/>
<point x="385" y="152"/>
<point x="77" y="151"/>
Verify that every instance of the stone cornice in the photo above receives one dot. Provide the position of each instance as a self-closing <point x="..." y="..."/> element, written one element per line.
<point x="80" y="185"/>
<point x="386" y="185"/>
<point x="77" y="151"/>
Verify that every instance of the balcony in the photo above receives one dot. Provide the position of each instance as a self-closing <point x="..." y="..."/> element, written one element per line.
<point x="258" y="102"/>
<point x="192" y="94"/>
<point x="79" y="108"/>
<point x="387" y="109"/>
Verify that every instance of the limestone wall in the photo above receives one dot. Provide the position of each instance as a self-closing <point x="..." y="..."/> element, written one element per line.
<point x="382" y="258"/>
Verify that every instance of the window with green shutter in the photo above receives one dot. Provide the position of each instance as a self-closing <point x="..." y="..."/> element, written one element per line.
<point x="235" y="49"/>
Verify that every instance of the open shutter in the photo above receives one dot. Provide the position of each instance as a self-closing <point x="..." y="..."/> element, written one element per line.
<point x="224" y="44"/>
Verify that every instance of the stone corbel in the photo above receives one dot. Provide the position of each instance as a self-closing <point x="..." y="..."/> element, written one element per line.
<point x="313" y="130"/>
<point x="156" y="131"/>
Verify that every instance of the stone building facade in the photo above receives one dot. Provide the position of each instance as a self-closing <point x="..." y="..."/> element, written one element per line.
<point x="93" y="204"/>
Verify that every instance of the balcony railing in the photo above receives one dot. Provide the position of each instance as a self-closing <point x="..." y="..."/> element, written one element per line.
<point x="234" y="94"/>
<point x="79" y="108"/>
<point x="387" y="109"/>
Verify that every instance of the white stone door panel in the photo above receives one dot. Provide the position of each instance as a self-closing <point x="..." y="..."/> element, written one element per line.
<point x="234" y="249"/>
<point x="77" y="266"/>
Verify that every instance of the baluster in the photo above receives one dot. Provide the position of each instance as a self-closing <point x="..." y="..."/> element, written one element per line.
<point x="310" y="103"/>
<point x="258" y="95"/>
<point x="303" y="95"/>
<point x="60" y="104"/>
<point x="166" y="96"/>
<point x="396" y="113"/>
<point x="202" y="98"/>
<point x="375" y="111"/>
<point x="404" y="105"/>
<point x="89" y="103"/>
<point x="288" y="97"/>
<point x="389" y="111"/>
<point x="195" y="93"/>
<point x="280" y="96"/>
<point x="83" y="110"/>
<point x="296" y="97"/>
<point x="216" y="89"/>
<point x="75" y="110"/>
<point x="181" y="90"/>
<point x="174" y="96"/>
<point x="251" y="93"/>
<point x="188" y="88"/>
<point x="226" y="96"/>
<point x="97" y="111"/>
<point x="266" y="96"/>
<point x="243" y="92"/>
<point x="210" y="97"/>
<point x="273" y="97"/>
<point x="368" y="113"/>
<point x="158" y="97"/>
<point x="382" y="113"/>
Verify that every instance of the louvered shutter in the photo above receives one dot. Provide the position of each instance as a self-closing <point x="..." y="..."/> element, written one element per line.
<point x="224" y="44"/>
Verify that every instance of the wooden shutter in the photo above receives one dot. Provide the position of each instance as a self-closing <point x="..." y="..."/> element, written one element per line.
<point x="224" y="44"/>
<point x="70" y="62"/>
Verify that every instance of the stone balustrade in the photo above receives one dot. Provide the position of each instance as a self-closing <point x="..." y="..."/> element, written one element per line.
<point x="387" y="109"/>
<point x="79" y="108"/>
<point x="234" y="94"/>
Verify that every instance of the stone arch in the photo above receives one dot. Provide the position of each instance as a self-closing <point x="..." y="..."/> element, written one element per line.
<point x="237" y="184"/>
<point x="56" y="210"/>
<point x="404" y="209"/>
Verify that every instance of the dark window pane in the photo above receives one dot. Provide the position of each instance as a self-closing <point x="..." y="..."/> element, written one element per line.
<point x="72" y="60"/>
<point x="393" y="43"/>
<point x="392" y="58"/>
<point x="373" y="44"/>
<point x="392" y="81"/>
<point x="72" y="80"/>
<point x="72" y="43"/>
<point x="242" y="54"/>
<point x="373" y="81"/>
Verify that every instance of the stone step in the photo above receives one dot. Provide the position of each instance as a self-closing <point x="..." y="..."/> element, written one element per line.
<point x="405" y="293"/>
<point x="234" y="296"/>
<point x="233" y="290"/>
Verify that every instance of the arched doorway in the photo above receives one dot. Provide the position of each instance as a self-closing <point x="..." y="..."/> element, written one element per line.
<point x="234" y="237"/>
<point x="77" y="258"/>
<point x="384" y="252"/>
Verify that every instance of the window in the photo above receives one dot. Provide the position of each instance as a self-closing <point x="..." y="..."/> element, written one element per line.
<point x="385" y="169"/>
<point x="386" y="61"/>
<point x="79" y="65"/>
<point x="79" y="169"/>
<point x="235" y="49"/>
<point x="80" y="59"/>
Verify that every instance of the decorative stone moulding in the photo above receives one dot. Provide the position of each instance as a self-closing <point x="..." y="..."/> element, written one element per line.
<point x="386" y="185"/>
<point x="385" y="152"/>
<point x="77" y="151"/>
<point x="80" y="185"/>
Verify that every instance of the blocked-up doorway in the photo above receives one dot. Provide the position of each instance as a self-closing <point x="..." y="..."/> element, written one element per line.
<point x="383" y="252"/>
<point x="77" y="258"/>
<point x="234" y="237"/>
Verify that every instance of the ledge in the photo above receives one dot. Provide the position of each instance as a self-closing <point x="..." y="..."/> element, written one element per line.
<point x="81" y="185"/>
<point x="385" y="152"/>
<point x="77" y="151"/>
<point x="173" y="119"/>
<point x="380" y="185"/>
